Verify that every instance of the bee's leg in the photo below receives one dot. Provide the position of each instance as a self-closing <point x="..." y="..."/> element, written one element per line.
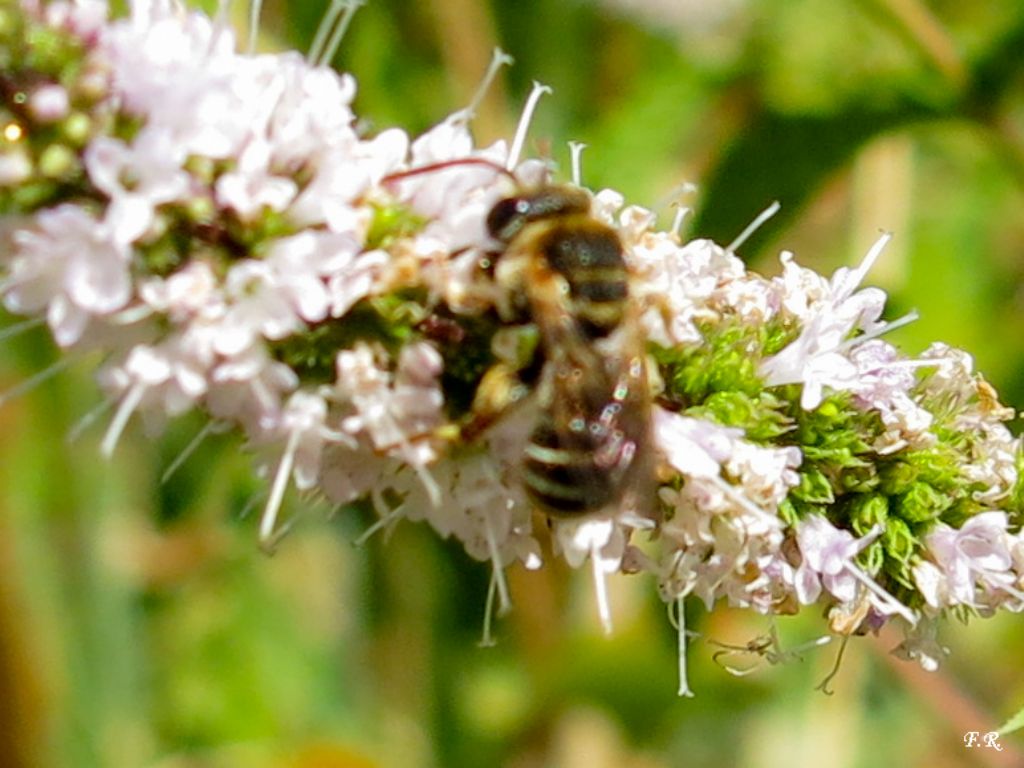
<point x="499" y="390"/>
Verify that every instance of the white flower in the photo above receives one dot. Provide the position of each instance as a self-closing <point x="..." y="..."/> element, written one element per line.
<point x="977" y="556"/>
<point x="399" y="414"/>
<point x="248" y="388"/>
<point x="884" y="382"/>
<point x="921" y="644"/>
<point x="49" y="103"/>
<point x="344" y="175"/>
<point x="252" y="187"/>
<point x="71" y="266"/>
<point x="828" y="561"/>
<point x="136" y="179"/>
<point x="15" y="167"/>
<point x="191" y="291"/>
<point x="830" y="313"/>
<point x="828" y="554"/>
<point x="266" y="300"/>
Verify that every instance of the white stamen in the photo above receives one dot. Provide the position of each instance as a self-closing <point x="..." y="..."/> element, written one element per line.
<point x="991" y="582"/>
<point x="682" y="212"/>
<point x="125" y="409"/>
<point x="857" y="274"/>
<point x="576" y="153"/>
<point x="684" y="683"/>
<point x="524" y="124"/>
<point x="323" y="30"/>
<point x="189" y="449"/>
<point x="600" y="589"/>
<point x="429" y="485"/>
<point x="753" y="226"/>
<point x="222" y="17"/>
<point x="907" y="319"/>
<point x="250" y="505"/>
<point x="88" y="420"/>
<point x="19" y="328"/>
<point x="255" y="10"/>
<point x="36" y="379"/>
<point x="881" y="594"/>
<point x="499" y="59"/>
<point x="339" y="32"/>
<point x="487" y="639"/>
<point x="131" y="315"/>
<point x="734" y="494"/>
<point x="281" y="477"/>
<point x="382" y="522"/>
<point x="498" y="573"/>
<point x="673" y="196"/>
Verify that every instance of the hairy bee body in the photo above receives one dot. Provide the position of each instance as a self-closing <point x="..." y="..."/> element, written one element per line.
<point x="567" y="271"/>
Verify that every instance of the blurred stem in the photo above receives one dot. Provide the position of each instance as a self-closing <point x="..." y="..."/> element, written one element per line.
<point x="1009" y="141"/>
<point x="22" y="696"/>
<point x="919" y="26"/>
<point x="960" y="712"/>
<point x="466" y="34"/>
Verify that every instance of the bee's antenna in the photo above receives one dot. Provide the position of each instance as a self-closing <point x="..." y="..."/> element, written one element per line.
<point x="444" y="165"/>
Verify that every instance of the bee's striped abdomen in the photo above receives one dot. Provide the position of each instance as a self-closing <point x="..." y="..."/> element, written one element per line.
<point x="560" y="474"/>
<point x="588" y="254"/>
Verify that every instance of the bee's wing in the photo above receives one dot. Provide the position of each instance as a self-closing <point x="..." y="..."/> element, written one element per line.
<point x="597" y="395"/>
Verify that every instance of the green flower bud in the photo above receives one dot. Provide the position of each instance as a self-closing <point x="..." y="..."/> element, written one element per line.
<point x="866" y="511"/>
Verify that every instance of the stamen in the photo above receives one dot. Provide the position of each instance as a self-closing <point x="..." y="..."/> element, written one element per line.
<point x="88" y="420"/>
<point x="189" y="449"/>
<point x="250" y="505"/>
<point x="825" y="686"/>
<point x="283" y="474"/>
<point x="992" y="583"/>
<point x="524" y="124"/>
<point x="497" y="573"/>
<point x="684" y="683"/>
<point x="382" y="522"/>
<point x="222" y="18"/>
<point x="323" y="30"/>
<point x="19" y="328"/>
<point x="857" y="274"/>
<point x="907" y="319"/>
<point x="487" y="639"/>
<point x="429" y="485"/>
<point x="255" y="10"/>
<point x="753" y="226"/>
<point x="881" y="594"/>
<point x="132" y="315"/>
<point x="339" y="32"/>
<point x="36" y="379"/>
<point x="677" y="221"/>
<point x="576" y="153"/>
<point x="600" y="589"/>
<point x="499" y="59"/>
<point x="125" y="409"/>
<point x="674" y="196"/>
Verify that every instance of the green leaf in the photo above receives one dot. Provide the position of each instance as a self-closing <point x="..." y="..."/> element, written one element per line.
<point x="1013" y="724"/>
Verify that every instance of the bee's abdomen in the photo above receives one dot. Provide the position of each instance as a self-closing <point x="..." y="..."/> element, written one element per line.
<point x="589" y="255"/>
<point x="560" y="473"/>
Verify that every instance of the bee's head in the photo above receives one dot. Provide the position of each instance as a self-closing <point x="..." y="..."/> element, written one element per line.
<point x="510" y="215"/>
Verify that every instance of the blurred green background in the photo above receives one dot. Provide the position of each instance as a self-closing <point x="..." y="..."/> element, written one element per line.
<point x="140" y="625"/>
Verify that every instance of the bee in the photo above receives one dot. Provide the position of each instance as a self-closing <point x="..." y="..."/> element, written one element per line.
<point x="590" y="445"/>
<point x="562" y="270"/>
